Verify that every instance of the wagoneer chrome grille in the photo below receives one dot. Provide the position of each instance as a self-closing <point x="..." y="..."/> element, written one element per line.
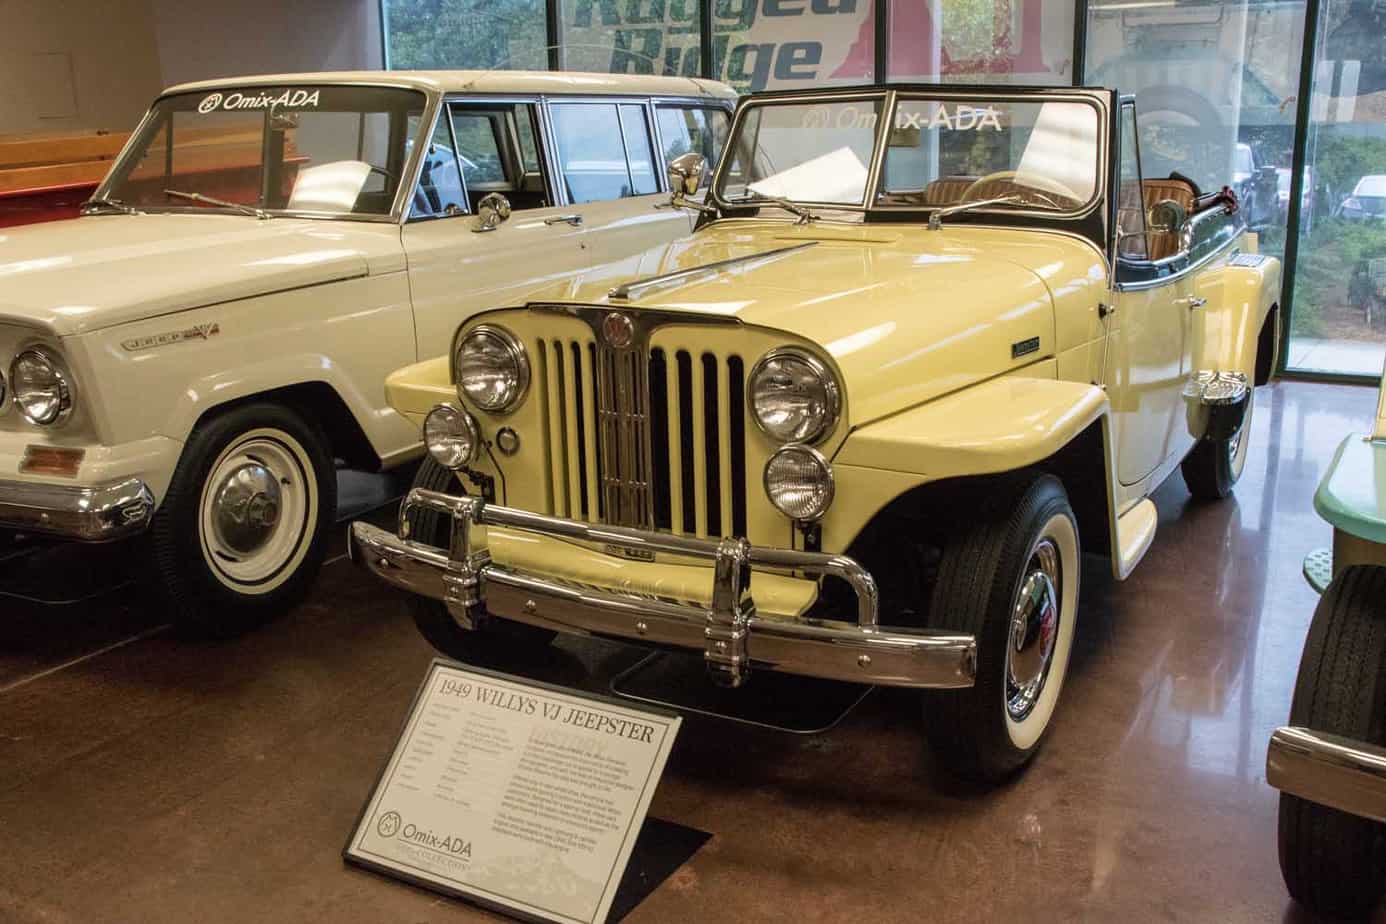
<point x="644" y="437"/>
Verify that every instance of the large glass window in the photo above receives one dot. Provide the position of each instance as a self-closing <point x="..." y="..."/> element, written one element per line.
<point x="1338" y="317"/>
<point x="465" y="34"/>
<point x="788" y="44"/>
<point x="982" y="41"/>
<point x="651" y="37"/>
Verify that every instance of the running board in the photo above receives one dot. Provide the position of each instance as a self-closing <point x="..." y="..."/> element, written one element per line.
<point x="1135" y="532"/>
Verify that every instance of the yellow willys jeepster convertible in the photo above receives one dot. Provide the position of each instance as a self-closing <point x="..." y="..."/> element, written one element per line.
<point x="924" y="345"/>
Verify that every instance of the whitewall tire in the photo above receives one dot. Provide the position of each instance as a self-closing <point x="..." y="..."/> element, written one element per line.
<point x="242" y="530"/>
<point x="1011" y="578"/>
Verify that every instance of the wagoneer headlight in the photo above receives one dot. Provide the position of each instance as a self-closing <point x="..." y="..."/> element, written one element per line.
<point x="794" y="397"/>
<point x="492" y="369"/>
<point x="42" y="390"/>
<point x="799" y="482"/>
<point x="451" y="436"/>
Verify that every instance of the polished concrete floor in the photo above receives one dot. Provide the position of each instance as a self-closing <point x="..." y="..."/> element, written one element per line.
<point x="144" y="777"/>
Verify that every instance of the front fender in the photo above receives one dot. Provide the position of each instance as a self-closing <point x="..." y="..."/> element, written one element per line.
<point x="414" y="390"/>
<point x="998" y="426"/>
<point x="1003" y="424"/>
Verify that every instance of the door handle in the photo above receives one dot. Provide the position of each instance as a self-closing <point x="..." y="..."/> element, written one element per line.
<point x="1192" y="301"/>
<point x="573" y="220"/>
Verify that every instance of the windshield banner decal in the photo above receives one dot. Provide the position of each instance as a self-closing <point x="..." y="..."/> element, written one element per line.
<point x="238" y="102"/>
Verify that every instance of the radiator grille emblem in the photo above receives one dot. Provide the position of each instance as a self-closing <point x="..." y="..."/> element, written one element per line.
<point x="618" y="330"/>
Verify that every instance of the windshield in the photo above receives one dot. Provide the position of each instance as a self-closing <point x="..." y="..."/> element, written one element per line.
<point x="1034" y="154"/>
<point x="339" y="150"/>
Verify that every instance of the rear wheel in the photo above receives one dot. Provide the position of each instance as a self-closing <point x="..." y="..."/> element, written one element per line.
<point x="1214" y="466"/>
<point x="431" y="616"/>
<point x="1010" y="578"/>
<point x="1334" y="862"/>
<point x="242" y="529"/>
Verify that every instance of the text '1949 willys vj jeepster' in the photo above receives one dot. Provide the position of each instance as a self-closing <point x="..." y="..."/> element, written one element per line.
<point x="187" y="360"/>
<point x="922" y="341"/>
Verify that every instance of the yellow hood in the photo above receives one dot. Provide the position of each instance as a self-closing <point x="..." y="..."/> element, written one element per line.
<point x="907" y="314"/>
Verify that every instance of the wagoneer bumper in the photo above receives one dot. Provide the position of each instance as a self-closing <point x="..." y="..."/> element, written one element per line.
<point x="728" y="632"/>
<point x="89" y="513"/>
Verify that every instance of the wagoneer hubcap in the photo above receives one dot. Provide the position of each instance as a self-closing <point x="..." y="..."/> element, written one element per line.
<point x="258" y="502"/>
<point x="246" y="508"/>
<point x="1034" y="630"/>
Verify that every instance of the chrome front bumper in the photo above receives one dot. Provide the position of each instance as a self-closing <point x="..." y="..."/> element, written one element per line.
<point x="731" y="637"/>
<point x="1328" y="769"/>
<point x="88" y="513"/>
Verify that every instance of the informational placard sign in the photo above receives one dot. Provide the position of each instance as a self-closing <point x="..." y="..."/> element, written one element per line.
<point x="517" y="795"/>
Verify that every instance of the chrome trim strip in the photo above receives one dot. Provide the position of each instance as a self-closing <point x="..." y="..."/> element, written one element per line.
<point x="1329" y="769"/>
<point x="634" y="289"/>
<point x="89" y="513"/>
<point x="857" y="652"/>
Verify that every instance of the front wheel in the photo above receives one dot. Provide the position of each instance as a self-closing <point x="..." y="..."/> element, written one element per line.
<point x="431" y="617"/>
<point x="1333" y="862"/>
<point x="241" y="532"/>
<point x="1010" y="578"/>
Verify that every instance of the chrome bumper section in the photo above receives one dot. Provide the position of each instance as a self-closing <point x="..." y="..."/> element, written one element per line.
<point x="88" y="513"/>
<point x="1328" y="769"/>
<point x="728" y="632"/>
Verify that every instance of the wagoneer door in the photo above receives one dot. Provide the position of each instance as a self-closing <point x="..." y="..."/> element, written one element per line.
<point x="460" y="264"/>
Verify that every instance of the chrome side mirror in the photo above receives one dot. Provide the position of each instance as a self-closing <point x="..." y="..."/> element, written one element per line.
<point x="686" y="174"/>
<point x="491" y="211"/>
<point x="1166" y="215"/>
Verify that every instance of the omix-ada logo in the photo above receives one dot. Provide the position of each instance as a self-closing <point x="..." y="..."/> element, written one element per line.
<point x="209" y="102"/>
<point x="388" y="826"/>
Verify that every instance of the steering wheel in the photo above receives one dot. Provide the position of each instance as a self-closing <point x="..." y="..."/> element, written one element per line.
<point x="1045" y="197"/>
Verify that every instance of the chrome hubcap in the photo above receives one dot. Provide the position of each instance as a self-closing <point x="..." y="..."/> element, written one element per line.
<point x="246" y="508"/>
<point x="1034" y="630"/>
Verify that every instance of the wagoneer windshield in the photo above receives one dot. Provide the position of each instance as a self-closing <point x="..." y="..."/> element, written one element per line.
<point x="1035" y="154"/>
<point x="337" y="150"/>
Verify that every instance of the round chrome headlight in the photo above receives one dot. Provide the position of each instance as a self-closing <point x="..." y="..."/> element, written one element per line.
<point x="451" y="436"/>
<point x="799" y="482"/>
<point x="794" y="397"/>
<point x="492" y="369"/>
<point x="41" y="388"/>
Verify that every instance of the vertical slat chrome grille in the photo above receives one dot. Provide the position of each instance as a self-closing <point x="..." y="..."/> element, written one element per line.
<point x="644" y="437"/>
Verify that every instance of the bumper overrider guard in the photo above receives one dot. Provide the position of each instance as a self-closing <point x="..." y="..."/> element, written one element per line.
<point x="1331" y="770"/>
<point x="728" y="631"/>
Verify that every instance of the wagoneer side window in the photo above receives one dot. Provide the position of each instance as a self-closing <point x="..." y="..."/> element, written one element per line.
<point x="604" y="150"/>
<point x="495" y="143"/>
<point x="693" y="128"/>
<point x="439" y="192"/>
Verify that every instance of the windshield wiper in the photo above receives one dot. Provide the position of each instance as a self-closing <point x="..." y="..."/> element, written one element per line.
<point x="213" y="200"/>
<point x="805" y="216"/>
<point x="115" y="205"/>
<point x="937" y="216"/>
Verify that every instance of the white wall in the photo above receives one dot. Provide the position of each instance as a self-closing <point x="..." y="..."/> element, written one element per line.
<point x="76" y="64"/>
<point x="201" y="39"/>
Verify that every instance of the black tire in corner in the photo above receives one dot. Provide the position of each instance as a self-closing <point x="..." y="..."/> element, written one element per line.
<point x="242" y="530"/>
<point x="1009" y="577"/>
<point x="434" y="621"/>
<point x="1212" y="468"/>
<point x="1334" y="862"/>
